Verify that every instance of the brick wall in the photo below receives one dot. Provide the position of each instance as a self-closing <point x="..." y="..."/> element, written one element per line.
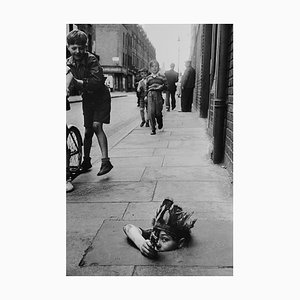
<point x="228" y="156"/>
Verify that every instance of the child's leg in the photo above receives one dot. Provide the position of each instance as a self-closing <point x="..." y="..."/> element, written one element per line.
<point x="158" y="112"/>
<point x="151" y="113"/>
<point x="142" y="113"/>
<point x="168" y="100"/>
<point x="101" y="137"/>
<point x="87" y="142"/>
<point x="106" y="166"/>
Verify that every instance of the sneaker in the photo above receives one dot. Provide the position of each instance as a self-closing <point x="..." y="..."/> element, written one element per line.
<point x="106" y="166"/>
<point x="147" y="124"/>
<point x="69" y="186"/>
<point x="160" y="126"/>
<point x="142" y="124"/>
<point x="153" y="132"/>
<point x="86" y="165"/>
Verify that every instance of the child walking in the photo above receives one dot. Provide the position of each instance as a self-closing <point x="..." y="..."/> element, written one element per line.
<point x="155" y="84"/>
<point x="141" y="89"/>
<point x="96" y="102"/>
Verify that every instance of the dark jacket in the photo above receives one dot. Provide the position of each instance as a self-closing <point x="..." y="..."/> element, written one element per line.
<point x="188" y="78"/>
<point x="172" y="78"/>
<point x="90" y="71"/>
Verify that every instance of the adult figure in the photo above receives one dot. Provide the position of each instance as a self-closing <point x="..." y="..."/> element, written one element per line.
<point x="187" y="87"/>
<point x="172" y="78"/>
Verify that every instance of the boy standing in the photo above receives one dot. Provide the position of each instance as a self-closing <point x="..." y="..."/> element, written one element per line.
<point x="141" y="89"/>
<point x="96" y="102"/>
<point x="155" y="84"/>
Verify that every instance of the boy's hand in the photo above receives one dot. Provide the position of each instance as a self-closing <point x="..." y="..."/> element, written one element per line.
<point x="147" y="249"/>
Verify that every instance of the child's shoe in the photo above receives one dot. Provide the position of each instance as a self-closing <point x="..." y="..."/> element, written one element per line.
<point x="69" y="186"/>
<point x="147" y="124"/>
<point x="153" y="132"/>
<point x="86" y="165"/>
<point x="142" y="124"/>
<point x="106" y="166"/>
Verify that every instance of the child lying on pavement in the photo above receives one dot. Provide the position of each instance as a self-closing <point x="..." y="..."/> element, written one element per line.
<point x="171" y="230"/>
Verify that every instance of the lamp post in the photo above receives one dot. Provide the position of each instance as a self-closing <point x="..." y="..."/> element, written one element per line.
<point x="178" y="53"/>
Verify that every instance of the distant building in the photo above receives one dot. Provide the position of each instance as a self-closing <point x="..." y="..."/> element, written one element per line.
<point x="122" y="50"/>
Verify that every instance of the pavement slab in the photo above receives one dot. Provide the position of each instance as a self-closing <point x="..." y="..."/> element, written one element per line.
<point x="116" y="174"/>
<point x="204" y="173"/>
<point x="87" y="218"/>
<point x="211" y="246"/>
<point x="111" y="192"/>
<point x="185" y="161"/>
<point x="136" y="142"/>
<point x="189" y="191"/>
<point x="193" y="144"/>
<point x="101" y="271"/>
<point x="203" y="152"/>
<point x="181" y="271"/>
<point x="138" y="152"/>
<point x="202" y="210"/>
<point x="144" y="161"/>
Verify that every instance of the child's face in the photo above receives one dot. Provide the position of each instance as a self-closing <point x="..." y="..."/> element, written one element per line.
<point x="144" y="74"/>
<point x="154" y="68"/>
<point x="166" y="242"/>
<point x="77" y="51"/>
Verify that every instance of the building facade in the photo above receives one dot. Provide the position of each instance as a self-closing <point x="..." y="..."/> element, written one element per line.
<point x="212" y="57"/>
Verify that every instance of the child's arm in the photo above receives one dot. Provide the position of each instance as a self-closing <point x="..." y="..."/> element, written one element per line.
<point x="95" y="78"/>
<point x="69" y="79"/>
<point x="135" y="235"/>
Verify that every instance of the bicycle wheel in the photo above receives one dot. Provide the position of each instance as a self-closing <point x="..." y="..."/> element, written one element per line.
<point x="74" y="149"/>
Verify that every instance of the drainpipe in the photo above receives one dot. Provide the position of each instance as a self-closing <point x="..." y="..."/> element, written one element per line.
<point x="221" y="90"/>
<point x="205" y="80"/>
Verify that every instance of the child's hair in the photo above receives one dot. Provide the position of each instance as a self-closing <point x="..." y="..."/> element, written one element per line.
<point x="173" y="220"/>
<point x="152" y="62"/>
<point x="77" y="37"/>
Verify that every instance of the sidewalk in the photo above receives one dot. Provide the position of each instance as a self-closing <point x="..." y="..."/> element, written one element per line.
<point x="78" y="98"/>
<point x="174" y="163"/>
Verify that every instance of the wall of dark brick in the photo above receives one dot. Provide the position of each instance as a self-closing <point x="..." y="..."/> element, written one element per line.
<point x="228" y="155"/>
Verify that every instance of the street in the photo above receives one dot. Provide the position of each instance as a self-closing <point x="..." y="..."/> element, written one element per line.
<point x="174" y="163"/>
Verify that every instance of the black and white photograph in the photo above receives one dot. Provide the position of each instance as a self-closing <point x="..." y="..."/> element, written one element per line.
<point x="149" y="179"/>
<point x="181" y="161"/>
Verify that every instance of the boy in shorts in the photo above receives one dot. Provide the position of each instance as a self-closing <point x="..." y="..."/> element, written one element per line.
<point x="96" y="102"/>
<point x="141" y="89"/>
<point x="171" y="230"/>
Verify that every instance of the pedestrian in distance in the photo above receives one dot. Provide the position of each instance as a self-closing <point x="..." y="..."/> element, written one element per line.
<point x="141" y="89"/>
<point x="172" y="78"/>
<point x="155" y="84"/>
<point x="187" y="87"/>
<point x="96" y="101"/>
<point x="171" y="230"/>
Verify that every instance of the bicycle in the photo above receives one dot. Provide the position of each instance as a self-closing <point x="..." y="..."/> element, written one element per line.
<point x="74" y="148"/>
